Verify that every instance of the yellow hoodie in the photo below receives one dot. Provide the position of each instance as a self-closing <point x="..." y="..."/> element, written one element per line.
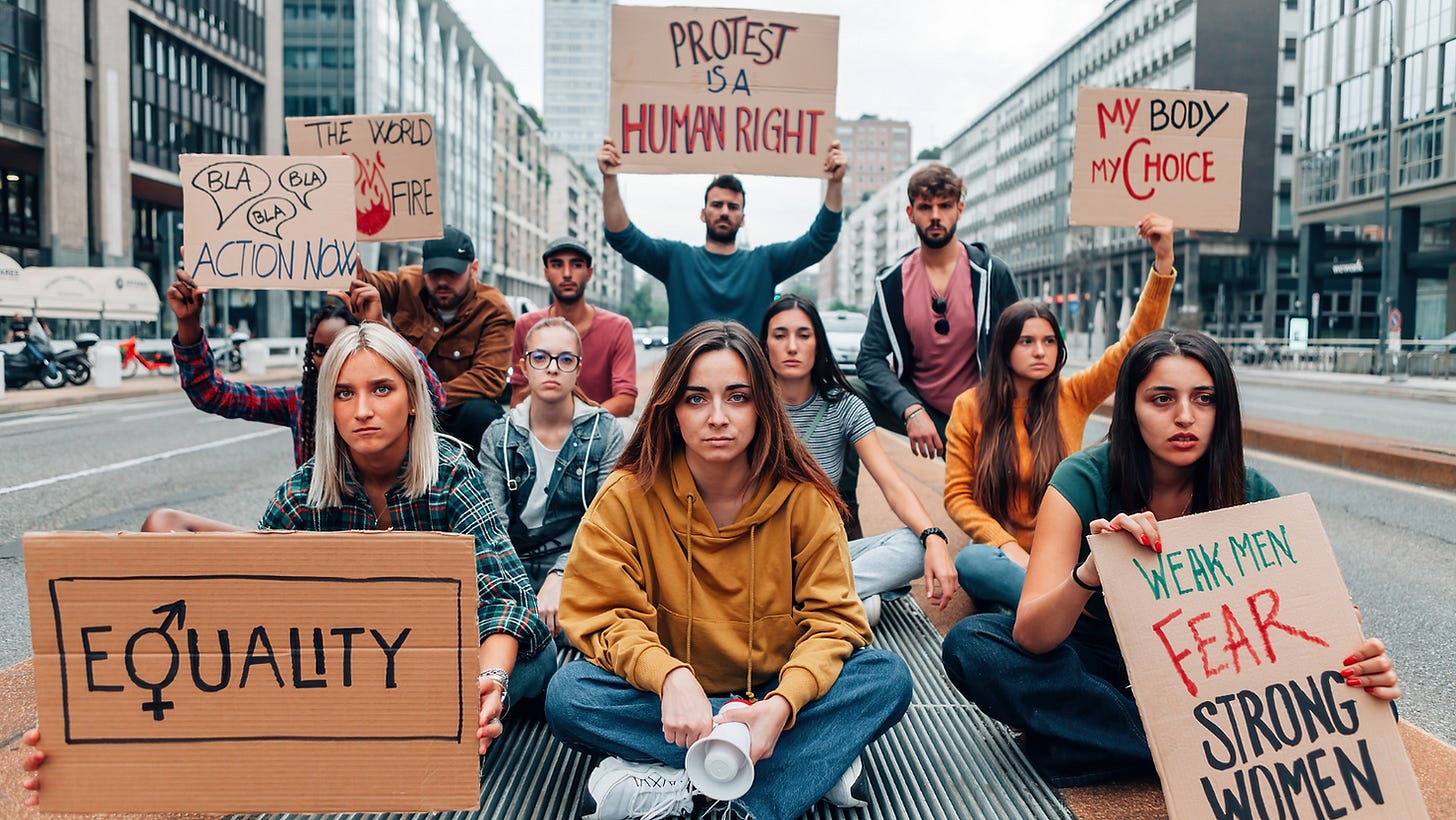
<point x="653" y="584"/>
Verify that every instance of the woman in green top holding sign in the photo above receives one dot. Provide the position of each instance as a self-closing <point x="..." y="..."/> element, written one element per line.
<point x="1175" y="447"/>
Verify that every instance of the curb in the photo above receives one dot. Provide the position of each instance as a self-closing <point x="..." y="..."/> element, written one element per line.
<point x="25" y="400"/>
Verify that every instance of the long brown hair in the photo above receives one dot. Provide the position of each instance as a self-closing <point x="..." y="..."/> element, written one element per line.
<point x="996" y="473"/>
<point x="775" y="451"/>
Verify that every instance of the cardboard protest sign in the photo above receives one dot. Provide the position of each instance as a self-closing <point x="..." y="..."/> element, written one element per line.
<point x="1178" y="153"/>
<point x="255" y="671"/>
<point x="396" y="176"/>
<point x="268" y="222"/>
<point x="1234" y="637"/>
<point x="723" y="90"/>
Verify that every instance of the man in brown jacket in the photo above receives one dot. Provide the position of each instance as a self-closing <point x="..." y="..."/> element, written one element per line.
<point x="462" y="325"/>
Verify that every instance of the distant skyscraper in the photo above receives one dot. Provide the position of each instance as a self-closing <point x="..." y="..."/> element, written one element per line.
<point x="878" y="151"/>
<point x="577" y="71"/>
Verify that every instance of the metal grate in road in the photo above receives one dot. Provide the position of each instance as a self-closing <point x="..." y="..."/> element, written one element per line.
<point x="944" y="761"/>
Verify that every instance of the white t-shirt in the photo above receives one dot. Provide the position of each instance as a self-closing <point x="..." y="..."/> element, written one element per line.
<point x="534" y="513"/>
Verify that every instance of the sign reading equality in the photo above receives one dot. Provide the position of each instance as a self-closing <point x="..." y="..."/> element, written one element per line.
<point x="396" y="176"/>
<point x="723" y="90"/>
<point x="1234" y="637"/>
<point x="255" y="671"/>
<point x="1177" y="153"/>
<point x="268" y="222"/>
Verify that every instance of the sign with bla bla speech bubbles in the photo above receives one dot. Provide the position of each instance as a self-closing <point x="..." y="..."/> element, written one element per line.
<point x="723" y="90"/>
<point x="396" y="176"/>
<point x="1141" y="150"/>
<point x="268" y="222"/>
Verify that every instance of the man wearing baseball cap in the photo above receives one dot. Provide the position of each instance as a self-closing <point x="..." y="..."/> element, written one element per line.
<point x="609" y="360"/>
<point x="462" y="325"/>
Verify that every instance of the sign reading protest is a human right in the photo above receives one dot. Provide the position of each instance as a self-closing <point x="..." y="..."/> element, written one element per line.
<point x="268" y="222"/>
<point x="1141" y="150"/>
<point x="723" y="90"/>
<point x="256" y="671"/>
<point x="396" y="177"/>
<point x="1235" y="635"/>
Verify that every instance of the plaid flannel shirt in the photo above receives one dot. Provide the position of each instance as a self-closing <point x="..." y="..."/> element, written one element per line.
<point x="211" y="393"/>
<point x="455" y="502"/>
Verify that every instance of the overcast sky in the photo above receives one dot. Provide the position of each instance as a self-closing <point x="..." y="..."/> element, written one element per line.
<point x="936" y="63"/>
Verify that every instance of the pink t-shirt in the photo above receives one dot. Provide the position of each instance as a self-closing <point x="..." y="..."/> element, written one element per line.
<point x="608" y="360"/>
<point x="944" y="366"/>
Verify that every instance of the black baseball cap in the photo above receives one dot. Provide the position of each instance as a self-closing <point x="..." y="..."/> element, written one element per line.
<point x="453" y="252"/>
<point x="566" y="243"/>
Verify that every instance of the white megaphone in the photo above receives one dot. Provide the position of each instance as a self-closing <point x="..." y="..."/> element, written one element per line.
<point x="718" y="765"/>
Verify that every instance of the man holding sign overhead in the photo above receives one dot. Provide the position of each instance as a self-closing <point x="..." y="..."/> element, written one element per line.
<point x="717" y="280"/>
<point x="462" y="325"/>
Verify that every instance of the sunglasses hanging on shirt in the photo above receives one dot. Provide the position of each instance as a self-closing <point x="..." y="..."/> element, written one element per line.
<point x="942" y="325"/>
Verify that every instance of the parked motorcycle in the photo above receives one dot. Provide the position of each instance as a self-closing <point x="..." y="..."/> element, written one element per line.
<point x="36" y="361"/>
<point x="76" y="364"/>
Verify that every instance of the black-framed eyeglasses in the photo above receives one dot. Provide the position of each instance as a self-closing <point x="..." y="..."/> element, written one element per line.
<point x="566" y="361"/>
<point x="942" y="325"/>
<point x="319" y="350"/>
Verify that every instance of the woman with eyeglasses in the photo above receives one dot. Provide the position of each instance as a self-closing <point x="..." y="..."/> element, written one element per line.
<point x="544" y="460"/>
<point x="1008" y="433"/>
<point x="293" y="406"/>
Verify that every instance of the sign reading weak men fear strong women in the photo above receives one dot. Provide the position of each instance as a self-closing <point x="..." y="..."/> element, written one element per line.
<point x="1234" y="637"/>
<point x="1141" y="150"/>
<point x="723" y="90"/>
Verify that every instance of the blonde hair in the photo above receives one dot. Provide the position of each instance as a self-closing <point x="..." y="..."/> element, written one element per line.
<point x="548" y="323"/>
<point x="331" y="462"/>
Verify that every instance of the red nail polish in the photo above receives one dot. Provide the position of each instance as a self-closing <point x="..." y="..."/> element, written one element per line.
<point x="1158" y="547"/>
<point x="1350" y="660"/>
<point x="1370" y="689"/>
<point x="1352" y="681"/>
<point x="1145" y="541"/>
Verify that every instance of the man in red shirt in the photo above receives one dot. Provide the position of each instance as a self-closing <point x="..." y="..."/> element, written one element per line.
<point x="609" y="361"/>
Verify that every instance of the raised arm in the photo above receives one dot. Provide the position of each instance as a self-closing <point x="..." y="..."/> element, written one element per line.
<point x="614" y="211"/>
<point x="835" y="164"/>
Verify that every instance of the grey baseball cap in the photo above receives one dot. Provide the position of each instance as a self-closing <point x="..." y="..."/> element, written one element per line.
<point x="566" y="243"/>
<point x="453" y="252"/>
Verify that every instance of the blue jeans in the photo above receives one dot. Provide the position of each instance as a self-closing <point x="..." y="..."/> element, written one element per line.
<point x="1073" y="703"/>
<point x="886" y="562"/>
<point x="596" y="712"/>
<point x="986" y="574"/>
<point x="529" y="677"/>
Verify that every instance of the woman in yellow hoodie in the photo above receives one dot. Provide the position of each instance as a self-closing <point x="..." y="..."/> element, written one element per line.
<point x="1007" y="434"/>
<point x="712" y="564"/>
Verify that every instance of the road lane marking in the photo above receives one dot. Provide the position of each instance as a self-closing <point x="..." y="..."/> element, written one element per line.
<point x="38" y="419"/>
<point x="155" y="414"/>
<point x="122" y="465"/>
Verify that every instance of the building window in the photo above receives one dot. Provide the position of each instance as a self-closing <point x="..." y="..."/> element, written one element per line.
<point x="20" y="64"/>
<point x="1319" y="176"/>
<point x="1367" y="166"/>
<point x="1420" y="152"/>
<point x="19" y="208"/>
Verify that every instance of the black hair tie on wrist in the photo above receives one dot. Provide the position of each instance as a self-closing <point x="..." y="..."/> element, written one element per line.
<point x="1077" y="579"/>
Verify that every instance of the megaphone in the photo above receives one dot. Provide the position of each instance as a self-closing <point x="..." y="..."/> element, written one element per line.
<point x="718" y="764"/>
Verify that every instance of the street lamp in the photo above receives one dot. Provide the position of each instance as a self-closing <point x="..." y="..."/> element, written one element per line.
<point x="1389" y="255"/>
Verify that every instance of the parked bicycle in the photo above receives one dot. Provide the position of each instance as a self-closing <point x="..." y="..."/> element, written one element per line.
<point x="156" y="360"/>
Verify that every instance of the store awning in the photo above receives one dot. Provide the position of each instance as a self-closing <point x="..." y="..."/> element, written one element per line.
<point x="122" y="294"/>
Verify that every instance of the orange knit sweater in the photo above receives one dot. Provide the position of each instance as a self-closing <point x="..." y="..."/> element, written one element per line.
<point x="1080" y="394"/>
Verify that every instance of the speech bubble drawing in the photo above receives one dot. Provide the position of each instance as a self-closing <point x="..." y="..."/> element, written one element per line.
<point x="267" y="215"/>
<point x="231" y="185"/>
<point x="301" y="179"/>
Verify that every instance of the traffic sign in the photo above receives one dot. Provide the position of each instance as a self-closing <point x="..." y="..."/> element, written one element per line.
<point x="1395" y="320"/>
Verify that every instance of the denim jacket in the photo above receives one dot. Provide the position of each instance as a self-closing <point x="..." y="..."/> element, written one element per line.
<point x="508" y="465"/>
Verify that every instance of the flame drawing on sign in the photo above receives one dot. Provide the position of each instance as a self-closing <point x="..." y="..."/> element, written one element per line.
<point x="369" y="180"/>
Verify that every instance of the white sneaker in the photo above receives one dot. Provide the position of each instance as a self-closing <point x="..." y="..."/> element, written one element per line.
<point x="617" y="790"/>
<point x="872" y="610"/>
<point x="850" y="791"/>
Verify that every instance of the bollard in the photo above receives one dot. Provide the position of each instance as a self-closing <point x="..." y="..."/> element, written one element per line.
<point x="106" y="373"/>
<point x="255" y="358"/>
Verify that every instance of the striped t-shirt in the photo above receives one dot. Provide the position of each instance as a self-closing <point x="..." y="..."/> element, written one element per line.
<point x="844" y="422"/>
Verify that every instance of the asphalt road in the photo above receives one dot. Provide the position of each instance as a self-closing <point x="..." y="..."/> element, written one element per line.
<point x="104" y="466"/>
<point x="1426" y="422"/>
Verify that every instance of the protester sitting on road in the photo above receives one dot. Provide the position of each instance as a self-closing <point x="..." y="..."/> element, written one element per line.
<point x="291" y="405"/>
<point x="1009" y="432"/>
<point x="828" y="417"/>
<point x="543" y="461"/>
<point x="712" y="563"/>
<point x="1055" y="672"/>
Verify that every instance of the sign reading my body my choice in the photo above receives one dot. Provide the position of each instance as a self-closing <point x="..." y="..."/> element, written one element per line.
<point x="723" y="90"/>
<point x="1177" y="153"/>
<point x="396" y="175"/>
<point x="269" y="222"/>
<point x="1234" y="637"/>
<point x="255" y="671"/>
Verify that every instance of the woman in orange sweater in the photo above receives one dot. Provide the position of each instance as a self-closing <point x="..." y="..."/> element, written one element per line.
<point x="1007" y="434"/>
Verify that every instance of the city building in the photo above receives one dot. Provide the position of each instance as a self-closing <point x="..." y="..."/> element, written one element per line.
<point x="574" y="208"/>
<point x="518" y="234"/>
<point x="1346" y="55"/>
<point x="577" y="39"/>
<point x="878" y="150"/>
<point x="876" y="232"/>
<point x="96" y="184"/>
<point x="1016" y="157"/>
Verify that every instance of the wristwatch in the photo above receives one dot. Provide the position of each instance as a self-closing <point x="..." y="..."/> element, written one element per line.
<point x="929" y="531"/>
